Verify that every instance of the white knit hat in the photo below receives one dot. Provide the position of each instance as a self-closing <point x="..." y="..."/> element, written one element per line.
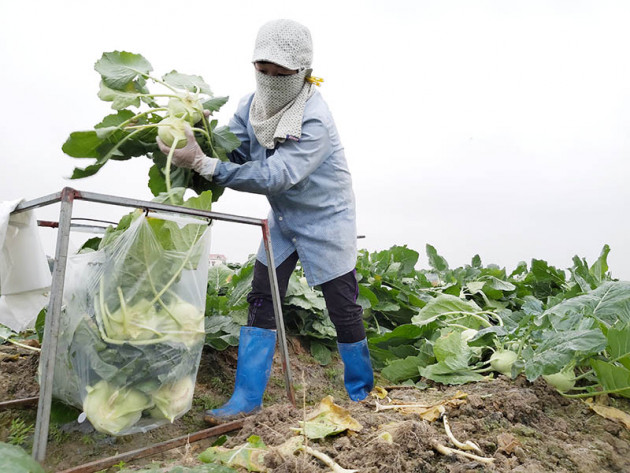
<point x="286" y="43"/>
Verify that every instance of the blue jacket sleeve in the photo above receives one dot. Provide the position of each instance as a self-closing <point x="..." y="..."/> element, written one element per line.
<point x="287" y="166"/>
<point x="238" y="126"/>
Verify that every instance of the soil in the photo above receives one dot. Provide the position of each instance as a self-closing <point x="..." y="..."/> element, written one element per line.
<point x="524" y="427"/>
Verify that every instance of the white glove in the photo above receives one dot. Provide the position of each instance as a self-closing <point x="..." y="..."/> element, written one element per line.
<point x="191" y="156"/>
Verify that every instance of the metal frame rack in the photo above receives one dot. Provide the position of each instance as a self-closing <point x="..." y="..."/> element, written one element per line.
<point x="51" y="329"/>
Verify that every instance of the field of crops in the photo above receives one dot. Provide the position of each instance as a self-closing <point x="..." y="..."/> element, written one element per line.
<point x="433" y="334"/>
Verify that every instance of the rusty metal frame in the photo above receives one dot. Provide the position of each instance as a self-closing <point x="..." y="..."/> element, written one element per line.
<point x="66" y="198"/>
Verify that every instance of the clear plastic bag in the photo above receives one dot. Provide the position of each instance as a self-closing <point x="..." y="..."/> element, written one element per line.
<point x="132" y="329"/>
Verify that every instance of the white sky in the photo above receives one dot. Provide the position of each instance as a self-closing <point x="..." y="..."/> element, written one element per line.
<point x="499" y="128"/>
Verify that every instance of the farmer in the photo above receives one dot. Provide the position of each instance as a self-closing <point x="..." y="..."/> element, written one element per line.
<point x="290" y="152"/>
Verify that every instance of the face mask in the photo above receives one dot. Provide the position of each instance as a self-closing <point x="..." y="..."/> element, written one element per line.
<point x="273" y="93"/>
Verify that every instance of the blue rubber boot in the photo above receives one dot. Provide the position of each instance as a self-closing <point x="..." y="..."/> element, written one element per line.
<point x="358" y="375"/>
<point x="253" y="367"/>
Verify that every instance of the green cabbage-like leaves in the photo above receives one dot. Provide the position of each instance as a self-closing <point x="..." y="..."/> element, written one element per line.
<point x="16" y="460"/>
<point x="250" y="455"/>
<point x="189" y="82"/>
<point x="119" y="68"/>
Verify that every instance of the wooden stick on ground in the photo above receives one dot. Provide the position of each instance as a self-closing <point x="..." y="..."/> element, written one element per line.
<point x="156" y="448"/>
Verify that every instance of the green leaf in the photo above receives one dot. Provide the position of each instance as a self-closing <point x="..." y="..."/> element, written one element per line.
<point x="476" y="262"/>
<point x="120" y="99"/>
<point x="16" y="460"/>
<point x="221" y="332"/>
<point x="157" y="181"/>
<point x="249" y="455"/>
<point x="40" y="323"/>
<point x="201" y="202"/>
<point x="403" y="334"/>
<point x="560" y="348"/>
<point x="582" y="275"/>
<point x="115" y="119"/>
<point x="88" y="171"/>
<point x="448" y="307"/>
<point x="300" y="294"/>
<point x="442" y="373"/>
<point x="367" y="298"/>
<point x="475" y="287"/>
<point x="61" y="413"/>
<point x="6" y="333"/>
<point x="83" y="144"/>
<point x="609" y="303"/>
<point x="498" y="284"/>
<point x="225" y="139"/>
<point x="321" y="352"/>
<point x="119" y="68"/>
<point x="241" y="286"/>
<point x="619" y="344"/>
<point x="215" y="103"/>
<point x="600" y="267"/>
<point x="191" y="83"/>
<point x="612" y="377"/>
<point x="218" y="277"/>
<point x="452" y="351"/>
<point x="211" y="468"/>
<point x="436" y="261"/>
<point x="404" y="369"/>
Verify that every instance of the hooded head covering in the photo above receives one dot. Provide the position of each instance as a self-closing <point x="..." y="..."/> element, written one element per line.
<point x="278" y="106"/>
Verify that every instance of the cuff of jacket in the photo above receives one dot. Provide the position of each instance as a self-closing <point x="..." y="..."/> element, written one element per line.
<point x="207" y="167"/>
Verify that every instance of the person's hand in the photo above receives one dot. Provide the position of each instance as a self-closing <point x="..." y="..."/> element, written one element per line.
<point x="190" y="156"/>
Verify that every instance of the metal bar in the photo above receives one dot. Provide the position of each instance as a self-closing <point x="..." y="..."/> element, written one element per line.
<point x="78" y="227"/>
<point x="17" y="403"/>
<point x="98" y="465"/>
<point x="47" y="223"/>
<point x="277" y="309"/>
<point x="142" y="204"/>
<point x="135" y="203"/>
<point x="51" y="328"/>
<point x="39" y="202"/>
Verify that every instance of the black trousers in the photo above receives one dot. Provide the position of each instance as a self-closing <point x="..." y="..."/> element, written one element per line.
<point x="340" y="295"/>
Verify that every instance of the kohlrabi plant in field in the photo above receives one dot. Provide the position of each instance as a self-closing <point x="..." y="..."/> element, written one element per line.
<point x="174" y="101"/>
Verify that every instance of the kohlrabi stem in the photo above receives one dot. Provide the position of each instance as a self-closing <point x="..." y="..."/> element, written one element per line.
<point x="167" y="170"/>
<point x="18" y="344"/>
<point x="459" y="326"/>
<point x="177" y="273"/>
<point x="111" y="151"/>
<point x="596" y="393"/>
<point x="135" y="117"/>
<point x="150" y="341"/>
<point x="524" y="338"/>
<point x="208" y="136"/>
<point x="155" y="291"/>
<point x="154" y="79"/>
<point x="208" y="133"/>
<point x="173" y="96"/>
<point x="123" y="310"/>
<point x="101" y="299"/>
<point x="584" y="375"/>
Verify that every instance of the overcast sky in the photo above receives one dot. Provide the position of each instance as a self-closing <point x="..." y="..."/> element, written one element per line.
<point x="499" y="128"/>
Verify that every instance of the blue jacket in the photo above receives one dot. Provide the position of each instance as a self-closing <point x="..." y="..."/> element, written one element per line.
<point x="309" y="188"/>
